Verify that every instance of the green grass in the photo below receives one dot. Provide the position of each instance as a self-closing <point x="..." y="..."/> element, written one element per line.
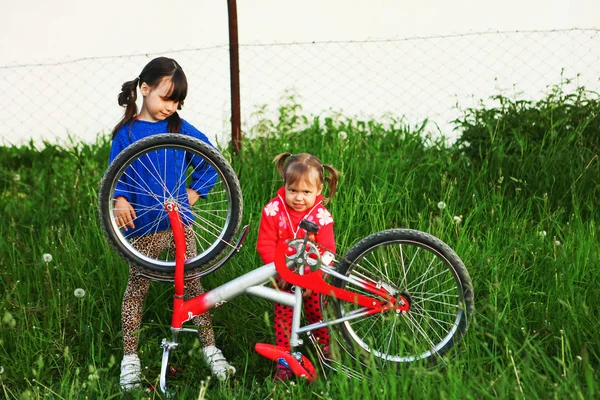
<point x="535" y="332"/>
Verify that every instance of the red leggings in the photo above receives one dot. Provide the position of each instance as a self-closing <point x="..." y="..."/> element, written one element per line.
<point x="283" y="321"/>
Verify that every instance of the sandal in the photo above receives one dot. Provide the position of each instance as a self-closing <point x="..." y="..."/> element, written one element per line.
<point x="218" y="363"/>
<point x="131" y="372"/>
<point x="282" y="374"/>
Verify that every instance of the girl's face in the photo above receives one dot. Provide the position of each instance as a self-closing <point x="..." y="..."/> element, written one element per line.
<point x="156" y="105"/>
<point x="302" y="194"/>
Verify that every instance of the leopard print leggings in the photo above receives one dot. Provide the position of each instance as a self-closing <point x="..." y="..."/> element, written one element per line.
<point x="137" y="289"/>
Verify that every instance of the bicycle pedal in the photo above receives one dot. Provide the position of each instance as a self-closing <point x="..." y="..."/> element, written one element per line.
<point x="301" y="367"/>
<point x="174" y="370"/>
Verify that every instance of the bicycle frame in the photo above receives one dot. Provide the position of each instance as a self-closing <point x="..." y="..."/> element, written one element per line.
<point x="252" y="283"/>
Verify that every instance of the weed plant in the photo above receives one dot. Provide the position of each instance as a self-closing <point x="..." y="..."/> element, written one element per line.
<point x="516" y="198"/>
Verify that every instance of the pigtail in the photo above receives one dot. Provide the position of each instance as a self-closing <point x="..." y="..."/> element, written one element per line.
<point x="174" y="123"/>
<point x="332" y="178"/>
<point x="293" y="167"/>
<point x="279" y="161"/>
<point x="127" y="99"/>
<point x="180" y="92"/>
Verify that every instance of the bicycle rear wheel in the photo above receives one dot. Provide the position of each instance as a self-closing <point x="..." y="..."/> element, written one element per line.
<point x="421" y="269"/>
<point x="157" y="170"/>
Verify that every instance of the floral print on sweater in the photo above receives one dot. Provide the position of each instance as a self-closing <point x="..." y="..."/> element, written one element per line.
<point x="281" y="222"/>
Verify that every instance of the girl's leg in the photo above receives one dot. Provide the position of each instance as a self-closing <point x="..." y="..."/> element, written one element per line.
<point x="283" y="325"/>
<point x="206" y="334"/>
<point x="131" y="311"/>
<point x="312" y="309"/>
<point x="131" y="319"/>
<point x="212" y="354"/>
<point x="283" y="330"/>
<point x="193" y="288"/>
<point x="137" y="289"/>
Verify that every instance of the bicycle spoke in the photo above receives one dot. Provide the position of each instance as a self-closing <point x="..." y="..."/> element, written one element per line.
<point x="158" y="170"/>
<point x="409" y="265"/>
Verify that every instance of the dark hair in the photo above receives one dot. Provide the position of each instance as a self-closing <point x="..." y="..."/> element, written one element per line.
<point x="153" y="74"/>
<point x="293" y="167"/>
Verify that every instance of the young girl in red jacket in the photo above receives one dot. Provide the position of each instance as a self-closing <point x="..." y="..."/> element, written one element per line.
<point x="299" y="198"/>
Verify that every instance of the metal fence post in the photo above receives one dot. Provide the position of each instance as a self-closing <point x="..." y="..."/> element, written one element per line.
<point x="236" y="129"/>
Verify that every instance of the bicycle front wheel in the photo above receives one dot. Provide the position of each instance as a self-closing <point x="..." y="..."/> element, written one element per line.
<point x="416" y="267"/>
<point x="161" y="169"/>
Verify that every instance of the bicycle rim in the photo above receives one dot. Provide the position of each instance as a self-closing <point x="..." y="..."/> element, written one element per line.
<point x="156" y="171"/>
<point x="419" y="268"/>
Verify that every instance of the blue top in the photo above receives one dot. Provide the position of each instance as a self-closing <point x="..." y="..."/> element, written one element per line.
<point x="142" y="184"/>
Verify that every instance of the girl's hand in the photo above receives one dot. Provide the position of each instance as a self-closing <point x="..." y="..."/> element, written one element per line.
<point x="281" y="284"/>
<point x="192" y="195"/>
<point x="124" y="213"/>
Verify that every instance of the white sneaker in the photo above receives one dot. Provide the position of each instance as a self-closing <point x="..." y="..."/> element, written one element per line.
<point x="218" y="363"/>
<point x="131" y="372"/>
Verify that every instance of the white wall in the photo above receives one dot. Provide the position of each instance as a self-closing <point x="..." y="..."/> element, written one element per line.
<point x="79" y="97"/>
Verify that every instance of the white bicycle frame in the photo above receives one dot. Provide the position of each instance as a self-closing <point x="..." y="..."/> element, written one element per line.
<point x="253" y="283"/>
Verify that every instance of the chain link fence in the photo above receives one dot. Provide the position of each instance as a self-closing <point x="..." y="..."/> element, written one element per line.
<point x="413" y="78"/>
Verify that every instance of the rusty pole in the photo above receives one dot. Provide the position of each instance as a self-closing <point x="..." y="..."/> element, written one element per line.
<point x="234" y="68"/>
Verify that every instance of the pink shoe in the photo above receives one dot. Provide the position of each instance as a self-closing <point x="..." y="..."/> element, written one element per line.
<point x="282" y="374"/>
<point x="326" y="352"/>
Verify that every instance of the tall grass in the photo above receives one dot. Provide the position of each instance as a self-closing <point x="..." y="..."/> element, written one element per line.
<point x="528" y="234"/>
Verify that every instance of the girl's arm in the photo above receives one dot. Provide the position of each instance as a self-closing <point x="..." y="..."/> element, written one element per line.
<point x="267" y="238"/>
<point x="204" y="175"/>
<point x="267" y="242"/>
<point x="192" y="196"/>
<point x="326" y="238"/>
<point x="124" y="213"/>
<point x="117" y="145"/>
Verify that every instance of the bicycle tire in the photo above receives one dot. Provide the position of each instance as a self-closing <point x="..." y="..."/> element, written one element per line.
<point x="408" y="263"/>
<point x="173" y="160"/>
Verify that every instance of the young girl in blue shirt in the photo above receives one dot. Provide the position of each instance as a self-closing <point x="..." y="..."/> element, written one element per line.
<point x="163" y="86"/>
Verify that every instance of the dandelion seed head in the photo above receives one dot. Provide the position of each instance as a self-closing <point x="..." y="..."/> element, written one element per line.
<point x="457" y="219"/>
<point x="543" y="233"/>
<point x="16" y="177"/>
<point x="79" y="292"/>
<point x="557" y="243"/>
<point x="441" y="205"/>
<point x="7" y="318"/>
<point x="343" y="135"/>
<point x="47" y="257"/>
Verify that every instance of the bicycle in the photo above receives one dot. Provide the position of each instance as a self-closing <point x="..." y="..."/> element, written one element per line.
<point x="397" y="296"/>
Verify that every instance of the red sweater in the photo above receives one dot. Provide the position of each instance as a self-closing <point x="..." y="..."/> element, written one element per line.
<point x="280" y="222"/>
